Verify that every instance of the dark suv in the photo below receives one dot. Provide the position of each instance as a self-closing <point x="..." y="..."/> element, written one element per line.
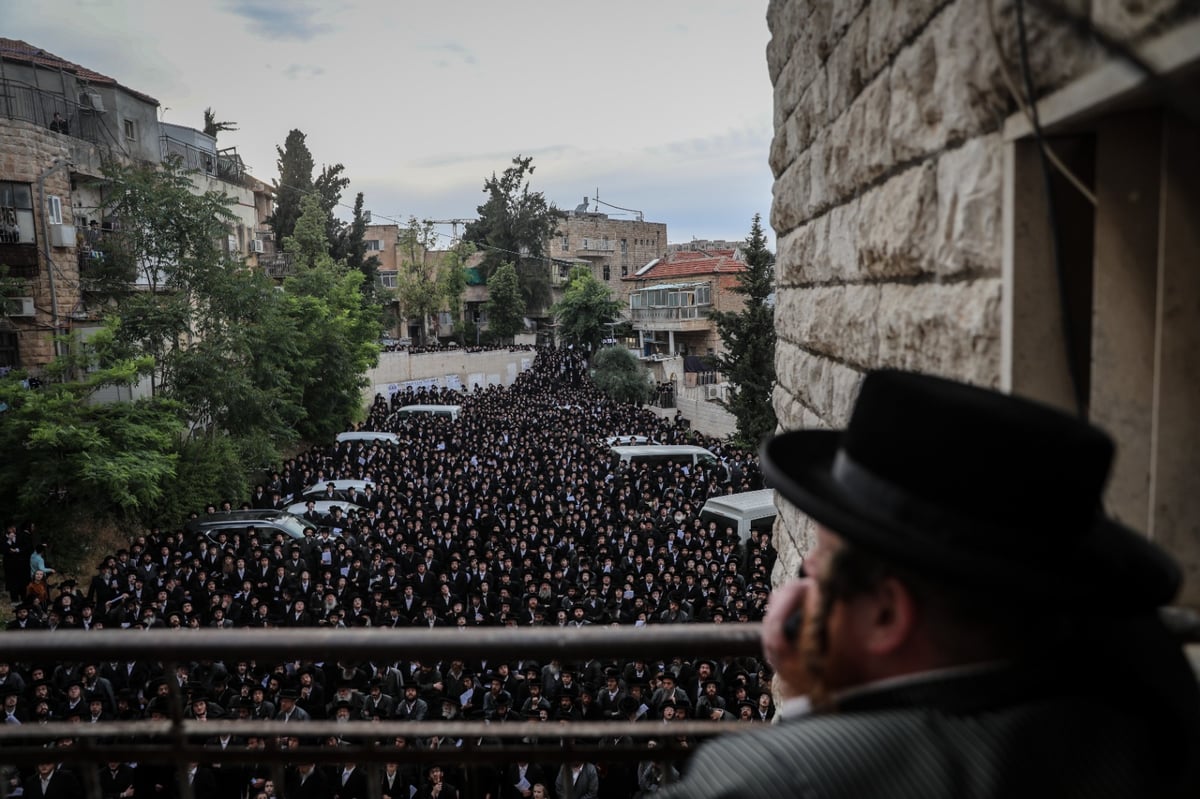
<point x="265" y="521"/>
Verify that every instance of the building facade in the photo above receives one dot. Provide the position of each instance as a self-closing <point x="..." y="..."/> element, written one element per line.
<point x="918" y="226"/>
<point x="671" y="301"/>
<point x="59" y="124"/>
<point x="612" y="248"/>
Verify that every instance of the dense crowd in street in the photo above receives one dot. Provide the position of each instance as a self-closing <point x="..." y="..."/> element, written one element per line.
<point x="512" y="515"/>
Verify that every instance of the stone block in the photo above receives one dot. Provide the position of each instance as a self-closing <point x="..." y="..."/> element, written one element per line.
<point x="946" y="85"/>
<point x="790" y="196"/>
<point x="784" y="21"/>
<point x="838" y="321"/>
<point x="860" y="149"/>
<point x="894" y="229"/>
<point x="846" y="68"/>
<point x="892" y="23"/>
<point x="969" y="204"/>
<point x="798" y="253"/>
<point x="819" y="197"/>
<point x="842" y="16"/>
<point x="949" y="329"/>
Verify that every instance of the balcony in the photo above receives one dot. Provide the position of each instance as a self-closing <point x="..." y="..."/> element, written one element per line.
<point x="592" y="248"/>
<point x="278" y="265"/>
<point x="224" y="164"/>
<point x="19" y="100"/>
<point x="683" y="319"/>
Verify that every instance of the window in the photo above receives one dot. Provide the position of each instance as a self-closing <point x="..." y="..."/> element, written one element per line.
<point x="16" y="213"/>
<point x="387" y="280"/>
<point x="607" y="272"/>
<point x="624" y="270"/>
<point x="624" y="246"/>
<point x="130" y="130"/>
<point x="566" y="243"/>
<point x="373" y="245"/>
<point x="55" y="209"/>
<point x="9" y="352"/>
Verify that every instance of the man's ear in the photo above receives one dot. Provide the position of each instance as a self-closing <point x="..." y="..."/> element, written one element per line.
<point x="891" y="617"/>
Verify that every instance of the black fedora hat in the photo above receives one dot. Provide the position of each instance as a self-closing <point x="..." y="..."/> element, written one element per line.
<point x="972" y="487"/>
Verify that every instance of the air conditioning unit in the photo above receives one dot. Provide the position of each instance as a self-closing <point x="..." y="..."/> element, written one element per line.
<point x="62" y="236"/>
<point x="256" y="245"/>
<point x="19" y="306"/>
<point x="714" y="392"/>
<point x="91" y="101"/>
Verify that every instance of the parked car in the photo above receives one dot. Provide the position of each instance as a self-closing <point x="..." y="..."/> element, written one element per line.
<point x="629" y="440"/>
<point x="749" y="512"/>
<point x="450" y="412"/>
<point x="265" y="521"/>
<point x="684" y="454"/>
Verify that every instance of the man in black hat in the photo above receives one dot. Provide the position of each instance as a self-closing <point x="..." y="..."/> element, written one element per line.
<point x="971" y="623"/>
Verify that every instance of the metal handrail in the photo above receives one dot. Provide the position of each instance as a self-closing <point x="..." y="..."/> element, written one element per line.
<point x="180" y="740"/>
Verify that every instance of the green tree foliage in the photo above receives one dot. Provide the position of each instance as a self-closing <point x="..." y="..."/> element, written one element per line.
<point x="618" y="373"/>
<point x="68" y="458"/>
<point x="295" y="164"/>
<point x="749" y="337"/>
<point x="168" y="241"/>
<point x="514" y="226"/>
<point x="417" y="285"/>
<point x="453" y="279"/>
<point x="335" y="333"/>
<point x="329" y="186"/>
<point x="505" y="306"/>
<point x="212" y="127"/>
<point x="587" y="305"/>
<point x="356" y="253"/>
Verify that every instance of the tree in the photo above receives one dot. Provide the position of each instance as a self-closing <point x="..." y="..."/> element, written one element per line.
<point x="505" y="305"/>
<point x="167" y="243"/>
<point x="618" y="373"/>
<point x="329" y="186"/>
<point x="336" y="333"/>
<point x="749" y="338"/>
<point x="418" y="288"/>
<point x="514" y="226"/>
<point x="454" y="282"/>
<point x="295" y="182"/>
<point x="70" y="459"/>
<point x="586" y="307"/>
<point x="212" y="127"/>
<point x="356" y="252"/>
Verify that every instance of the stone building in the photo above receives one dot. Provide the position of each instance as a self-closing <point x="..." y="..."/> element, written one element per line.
<point x="611" y="247"/>
<point x="59" y="122"/>
<point x="915" y="229"/>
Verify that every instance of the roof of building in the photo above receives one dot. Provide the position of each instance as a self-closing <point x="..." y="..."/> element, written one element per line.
<point x="17" y="50"/>
<point x="689" y="263"/>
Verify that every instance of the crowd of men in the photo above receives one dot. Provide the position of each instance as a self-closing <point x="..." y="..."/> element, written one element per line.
<point x="513" y="515"/>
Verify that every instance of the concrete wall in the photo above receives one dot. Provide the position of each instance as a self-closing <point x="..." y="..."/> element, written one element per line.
<point x="398" y="369"/>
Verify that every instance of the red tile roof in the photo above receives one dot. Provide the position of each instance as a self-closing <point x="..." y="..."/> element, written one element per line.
<point x="17" y="50"/>
<point x="688" y="263"/>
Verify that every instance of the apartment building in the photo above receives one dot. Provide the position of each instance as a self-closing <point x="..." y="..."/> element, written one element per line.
<point x="671" y="300"/>
<point x="59" y="121"/>
<point x="612" y="248"/>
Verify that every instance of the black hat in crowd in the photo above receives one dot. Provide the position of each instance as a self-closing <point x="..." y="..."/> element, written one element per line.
<point x="971" y="487"/>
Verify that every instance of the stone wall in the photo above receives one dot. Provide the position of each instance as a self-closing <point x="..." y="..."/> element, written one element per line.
<point x="27" y="152"/>
<point x="888" y="164"/>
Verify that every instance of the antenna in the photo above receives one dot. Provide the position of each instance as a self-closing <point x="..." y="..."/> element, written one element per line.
<point x="640" y="216"/>
<point x="453" y="223"/>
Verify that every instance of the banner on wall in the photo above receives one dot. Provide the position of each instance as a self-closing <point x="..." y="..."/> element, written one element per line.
<point x="453" y="382"/>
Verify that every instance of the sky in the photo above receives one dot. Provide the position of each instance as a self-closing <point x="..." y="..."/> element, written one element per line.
<point x="661" y="106"/>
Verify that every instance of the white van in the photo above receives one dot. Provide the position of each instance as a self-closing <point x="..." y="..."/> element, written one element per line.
<point x="653" y="454"/>
<point x="748" y="513"/>
<point x="368" y="435"/>
<point x="450" y="412"/>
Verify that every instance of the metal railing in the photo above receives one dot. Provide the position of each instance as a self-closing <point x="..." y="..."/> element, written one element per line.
<point x="181" y="741"/>
<point x="21" y="101"/>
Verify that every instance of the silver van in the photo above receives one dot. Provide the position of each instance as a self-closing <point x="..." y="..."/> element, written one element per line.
<point x="448" y="411"/>
<point x="748" y="513"/>
<point x="654" y="454"/>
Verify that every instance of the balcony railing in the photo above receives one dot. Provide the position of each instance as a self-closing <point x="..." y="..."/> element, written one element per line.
<point x="684" y="318"/>
<point x="278" y="265"/>
<point x="224" y="164"/>
<point x="19" y="100"/>
<point x="180" y="741"/>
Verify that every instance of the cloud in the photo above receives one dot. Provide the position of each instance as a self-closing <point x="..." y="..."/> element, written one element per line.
<point x="302" y="71"/>
<point x="454" y="53"/>
<point x="283" y="21"/>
